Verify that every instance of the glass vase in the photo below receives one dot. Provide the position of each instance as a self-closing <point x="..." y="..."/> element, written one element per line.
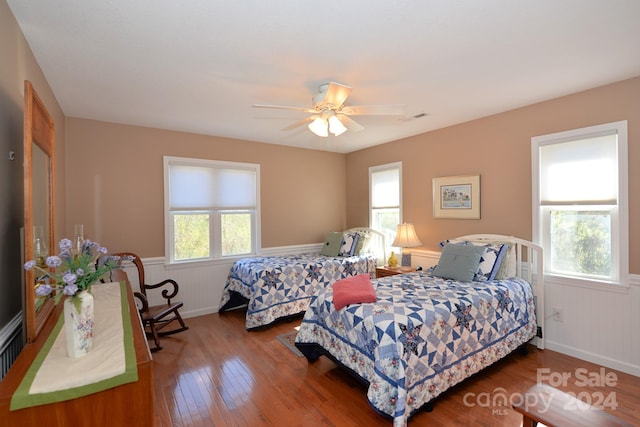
<point x="78" y="323"/>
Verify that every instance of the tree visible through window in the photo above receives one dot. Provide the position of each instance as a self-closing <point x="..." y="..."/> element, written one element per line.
<point x="236" y="233"/>
<point x="191" y="236"/>
<point x="581" y="242"/>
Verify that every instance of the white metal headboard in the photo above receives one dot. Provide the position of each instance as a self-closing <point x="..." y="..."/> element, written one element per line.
<point x="529" y="266"/>
<point x="376" y="244"/>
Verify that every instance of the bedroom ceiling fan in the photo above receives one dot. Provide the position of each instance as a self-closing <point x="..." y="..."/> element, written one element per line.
<point x="330" y="115"/>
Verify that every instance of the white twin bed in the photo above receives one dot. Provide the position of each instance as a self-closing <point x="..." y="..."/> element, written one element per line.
<point x="429" y="330"/>
<point x="277" y="287"/>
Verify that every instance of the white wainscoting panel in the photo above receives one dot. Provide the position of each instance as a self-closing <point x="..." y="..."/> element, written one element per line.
<point x="201" y="284"/>
<point x="598" y="325"/>
<point x="424" y="259"/>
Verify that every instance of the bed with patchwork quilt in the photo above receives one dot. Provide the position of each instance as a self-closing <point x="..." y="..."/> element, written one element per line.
<point x="425" y="333"/>
<point x="277" y="287"/>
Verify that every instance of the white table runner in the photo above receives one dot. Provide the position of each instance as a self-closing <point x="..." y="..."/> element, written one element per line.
<point x="55" y="377"/>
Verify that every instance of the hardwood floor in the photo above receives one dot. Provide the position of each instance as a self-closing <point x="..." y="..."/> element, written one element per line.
<point x="218" y="374"/>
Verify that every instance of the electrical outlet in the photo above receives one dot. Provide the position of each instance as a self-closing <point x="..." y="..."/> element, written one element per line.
<point x="558" y="315"/>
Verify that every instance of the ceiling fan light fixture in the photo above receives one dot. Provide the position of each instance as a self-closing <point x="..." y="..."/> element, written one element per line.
<point x="319" y="127"/>
<point x="330" y="115"/>
<point x="335" y="126"/>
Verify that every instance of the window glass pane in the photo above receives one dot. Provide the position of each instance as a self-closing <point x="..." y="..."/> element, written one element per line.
<point x="191" y="236"/>
<point x="385" y="188"/>
<point x="236" y="233"/>
<point x="386" y="221"/>
<point x="580" y="242"/>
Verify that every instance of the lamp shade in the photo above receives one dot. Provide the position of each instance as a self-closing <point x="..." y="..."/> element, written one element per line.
<point x="319" y="127"/>
<point x="335" y="126"/>
<point x="406" y="237"/>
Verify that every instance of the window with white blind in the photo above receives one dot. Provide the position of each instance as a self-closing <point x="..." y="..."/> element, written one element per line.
<point x="385" y="200"/>
<point x="211" y="209"/>
<point x="580" y="202"/>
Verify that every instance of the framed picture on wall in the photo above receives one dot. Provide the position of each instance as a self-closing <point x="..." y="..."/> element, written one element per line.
<point x="456" y="197"/>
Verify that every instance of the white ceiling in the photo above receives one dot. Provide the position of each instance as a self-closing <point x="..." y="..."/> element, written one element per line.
<point x="199" y="66"/>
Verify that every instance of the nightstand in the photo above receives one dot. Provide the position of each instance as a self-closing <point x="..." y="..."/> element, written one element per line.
<point x="389" y="271"/>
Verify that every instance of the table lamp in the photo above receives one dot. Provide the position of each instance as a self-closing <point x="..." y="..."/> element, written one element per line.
<point x="406" y="238"/>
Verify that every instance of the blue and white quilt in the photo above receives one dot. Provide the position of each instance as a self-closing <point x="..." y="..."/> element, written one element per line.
<point x="281" y="286"/>
<point x="422" y="336"/>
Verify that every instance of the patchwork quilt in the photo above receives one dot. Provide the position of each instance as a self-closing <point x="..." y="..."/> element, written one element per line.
<point x="282" y="286"/>
<point x="422" y="336"/>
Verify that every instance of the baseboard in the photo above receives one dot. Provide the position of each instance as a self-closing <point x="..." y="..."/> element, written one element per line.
<point x="594" y="358"/>
<point x="200" y="312"/>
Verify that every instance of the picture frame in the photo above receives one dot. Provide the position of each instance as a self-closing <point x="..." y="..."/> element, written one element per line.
<point x="456" y="197"/>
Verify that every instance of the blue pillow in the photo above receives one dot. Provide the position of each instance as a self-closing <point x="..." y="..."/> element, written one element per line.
<point x="349" y="244"/>
<point x="490" y="261"/>
<point x="459" y="262"/>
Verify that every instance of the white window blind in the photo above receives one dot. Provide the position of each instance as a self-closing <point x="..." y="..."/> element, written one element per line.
<point x="384" y="188"/>
<point x="197" y="187"/>
<point x="581" y="172"/>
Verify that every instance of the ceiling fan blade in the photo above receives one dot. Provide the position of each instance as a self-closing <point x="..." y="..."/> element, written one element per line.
<point x="350" y="124"/>
<point x="336" y="94"/>
<point x="374" y="110"/>
<point x="300" y="123"/>
<point x="283" y="107"/>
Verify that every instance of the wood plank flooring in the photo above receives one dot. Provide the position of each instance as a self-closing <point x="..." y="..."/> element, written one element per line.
<point x="218" y="374"/>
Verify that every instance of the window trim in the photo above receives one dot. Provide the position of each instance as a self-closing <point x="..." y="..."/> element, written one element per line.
<point x="168" y="218"/>
<point x="619" y="214"/>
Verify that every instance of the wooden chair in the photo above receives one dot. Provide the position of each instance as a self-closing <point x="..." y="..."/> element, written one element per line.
<point x="156" y="318"/>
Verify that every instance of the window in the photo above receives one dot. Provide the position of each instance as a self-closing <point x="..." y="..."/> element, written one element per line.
<point x="385" y="190"/>
<point x="211" y="209"/>
<point x="580" y="202"/>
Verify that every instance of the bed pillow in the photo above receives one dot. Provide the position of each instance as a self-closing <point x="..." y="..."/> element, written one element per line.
<point x="508" y="265"/>
<point x="332" y="244"/>
<point x="364" y="238"/>
<point x="490" y="261"/>
<point x="349" y="244"/>
<point x="353" y="290"/>
<point x="459" y="262"/>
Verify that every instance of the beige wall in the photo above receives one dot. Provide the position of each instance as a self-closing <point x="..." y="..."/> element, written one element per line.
<point x="499" y="149"/>
<point x="115" y="184"/>
<point x="303" y="191"/>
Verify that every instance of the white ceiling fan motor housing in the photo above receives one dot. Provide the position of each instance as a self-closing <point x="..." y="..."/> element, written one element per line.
<point x="318" y="98"/>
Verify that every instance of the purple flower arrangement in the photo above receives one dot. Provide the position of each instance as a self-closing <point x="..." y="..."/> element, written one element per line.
<point x="72" y="271"/>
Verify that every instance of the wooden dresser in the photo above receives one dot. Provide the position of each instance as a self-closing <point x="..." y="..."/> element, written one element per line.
<point x="125" y="405"/>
